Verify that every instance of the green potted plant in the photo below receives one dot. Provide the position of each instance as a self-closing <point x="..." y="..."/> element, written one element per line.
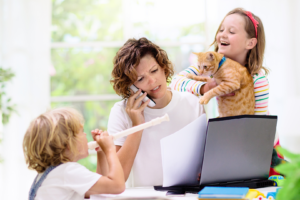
<point x="291" y="171"/>
<point x="6" y="108"/>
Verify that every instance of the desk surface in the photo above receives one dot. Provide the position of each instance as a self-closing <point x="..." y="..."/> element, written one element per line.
<point x="149" y="193"/>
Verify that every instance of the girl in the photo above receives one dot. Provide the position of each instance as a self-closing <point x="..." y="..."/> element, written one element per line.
<point x="53" y="144"/>
<point x="144" y="64"/>
<point x="240" y="37"/>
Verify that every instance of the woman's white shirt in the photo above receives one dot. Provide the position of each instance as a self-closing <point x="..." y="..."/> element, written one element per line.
<point x="147" y="167"/>
<point x="70" y="180"/>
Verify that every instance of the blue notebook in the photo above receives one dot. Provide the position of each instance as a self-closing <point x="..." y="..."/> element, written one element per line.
<point x="223" y="192"/>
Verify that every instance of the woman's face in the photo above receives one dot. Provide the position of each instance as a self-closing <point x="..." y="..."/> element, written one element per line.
<point x="151" y="77"/>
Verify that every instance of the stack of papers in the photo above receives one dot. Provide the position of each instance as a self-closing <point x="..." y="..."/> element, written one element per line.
<point x="223" y="193"/>
<point x="182" y="154"/>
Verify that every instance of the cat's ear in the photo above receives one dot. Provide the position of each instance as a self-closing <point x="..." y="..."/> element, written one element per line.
<point x="197" y="54"/>
<point x="210" y="56"/>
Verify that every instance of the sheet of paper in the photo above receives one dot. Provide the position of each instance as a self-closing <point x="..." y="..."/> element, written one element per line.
<point x="142" y="193"/>
<point x="182" y="154"/>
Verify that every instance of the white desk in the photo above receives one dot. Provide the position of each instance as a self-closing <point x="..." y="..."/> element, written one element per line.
<point x="147" y="193"/>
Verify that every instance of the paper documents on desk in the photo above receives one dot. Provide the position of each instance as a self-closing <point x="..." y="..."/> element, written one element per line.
<point x="107" y="197"/>
<point x="182" y="154"/>
<point x="138" y="193"/>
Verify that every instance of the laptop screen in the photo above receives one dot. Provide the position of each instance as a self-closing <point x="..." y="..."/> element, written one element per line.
<point x="238" y="148"/>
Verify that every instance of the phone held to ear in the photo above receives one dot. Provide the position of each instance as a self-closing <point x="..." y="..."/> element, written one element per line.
<point x="151" y="102"/>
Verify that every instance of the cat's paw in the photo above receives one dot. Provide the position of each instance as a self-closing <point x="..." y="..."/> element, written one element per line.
<point x="190" y="76"/>
<point x="203" y="100"/>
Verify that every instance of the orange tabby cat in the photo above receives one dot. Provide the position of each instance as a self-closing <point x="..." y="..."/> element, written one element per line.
<point x="230" y="77"/>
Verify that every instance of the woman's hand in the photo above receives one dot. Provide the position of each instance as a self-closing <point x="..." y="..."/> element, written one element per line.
<point x="210" y="85"/>
<point x="133" y="108"/>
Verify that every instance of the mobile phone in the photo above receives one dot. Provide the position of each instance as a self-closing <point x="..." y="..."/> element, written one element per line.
<point x="151" y="102"/>
<point x="175" y="193"/>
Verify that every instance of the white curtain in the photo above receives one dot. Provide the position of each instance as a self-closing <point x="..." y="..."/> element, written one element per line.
<point x="25" y="36"/>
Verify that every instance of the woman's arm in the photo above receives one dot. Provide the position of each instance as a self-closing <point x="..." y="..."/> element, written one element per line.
<point x="261" y="92"/>
<point x="127" y="150"/>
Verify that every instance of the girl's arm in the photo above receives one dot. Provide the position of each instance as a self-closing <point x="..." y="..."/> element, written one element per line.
<point x="183" y="84"/>
<point x="261" y="92"/>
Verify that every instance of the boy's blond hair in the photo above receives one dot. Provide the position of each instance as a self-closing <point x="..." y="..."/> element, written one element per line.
<point x="49" y="135"/>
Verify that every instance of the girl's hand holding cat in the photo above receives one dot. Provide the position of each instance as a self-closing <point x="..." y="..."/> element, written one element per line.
<point x="211" y="83"/>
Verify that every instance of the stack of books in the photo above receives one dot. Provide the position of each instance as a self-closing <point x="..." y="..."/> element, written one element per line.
<point x="223" y="193"/>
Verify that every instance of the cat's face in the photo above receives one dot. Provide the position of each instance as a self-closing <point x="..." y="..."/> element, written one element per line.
<point x="208" y="62"/>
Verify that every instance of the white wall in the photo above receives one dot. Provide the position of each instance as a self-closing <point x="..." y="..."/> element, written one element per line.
<point x="25" y="47"/>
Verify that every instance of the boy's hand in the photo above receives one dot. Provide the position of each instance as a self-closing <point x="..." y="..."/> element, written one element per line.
<point x="94" y="133"/>
<point x="105" y="141"/>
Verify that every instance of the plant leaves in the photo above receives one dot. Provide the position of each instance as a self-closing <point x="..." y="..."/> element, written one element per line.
<point x="288" y="154"/>
<point x="287" y="168"/>
<point x="5" y="75"/>
<point x="290" y="189"/>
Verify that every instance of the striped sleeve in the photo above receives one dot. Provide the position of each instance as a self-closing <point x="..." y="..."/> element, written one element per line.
<point x="261" y="91"/>
<point x="182" y="84"/>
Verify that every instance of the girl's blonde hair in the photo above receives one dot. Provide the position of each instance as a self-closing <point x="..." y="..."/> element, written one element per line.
<point x="49" y="135"/>
<point x="255" y="56"/>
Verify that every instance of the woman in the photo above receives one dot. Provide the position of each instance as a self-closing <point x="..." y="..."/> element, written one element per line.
<point x="146" y="65"/>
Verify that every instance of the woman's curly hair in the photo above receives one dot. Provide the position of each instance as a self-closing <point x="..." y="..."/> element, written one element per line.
<point x="128" y="58"/>
<point x="49" y="135"/>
